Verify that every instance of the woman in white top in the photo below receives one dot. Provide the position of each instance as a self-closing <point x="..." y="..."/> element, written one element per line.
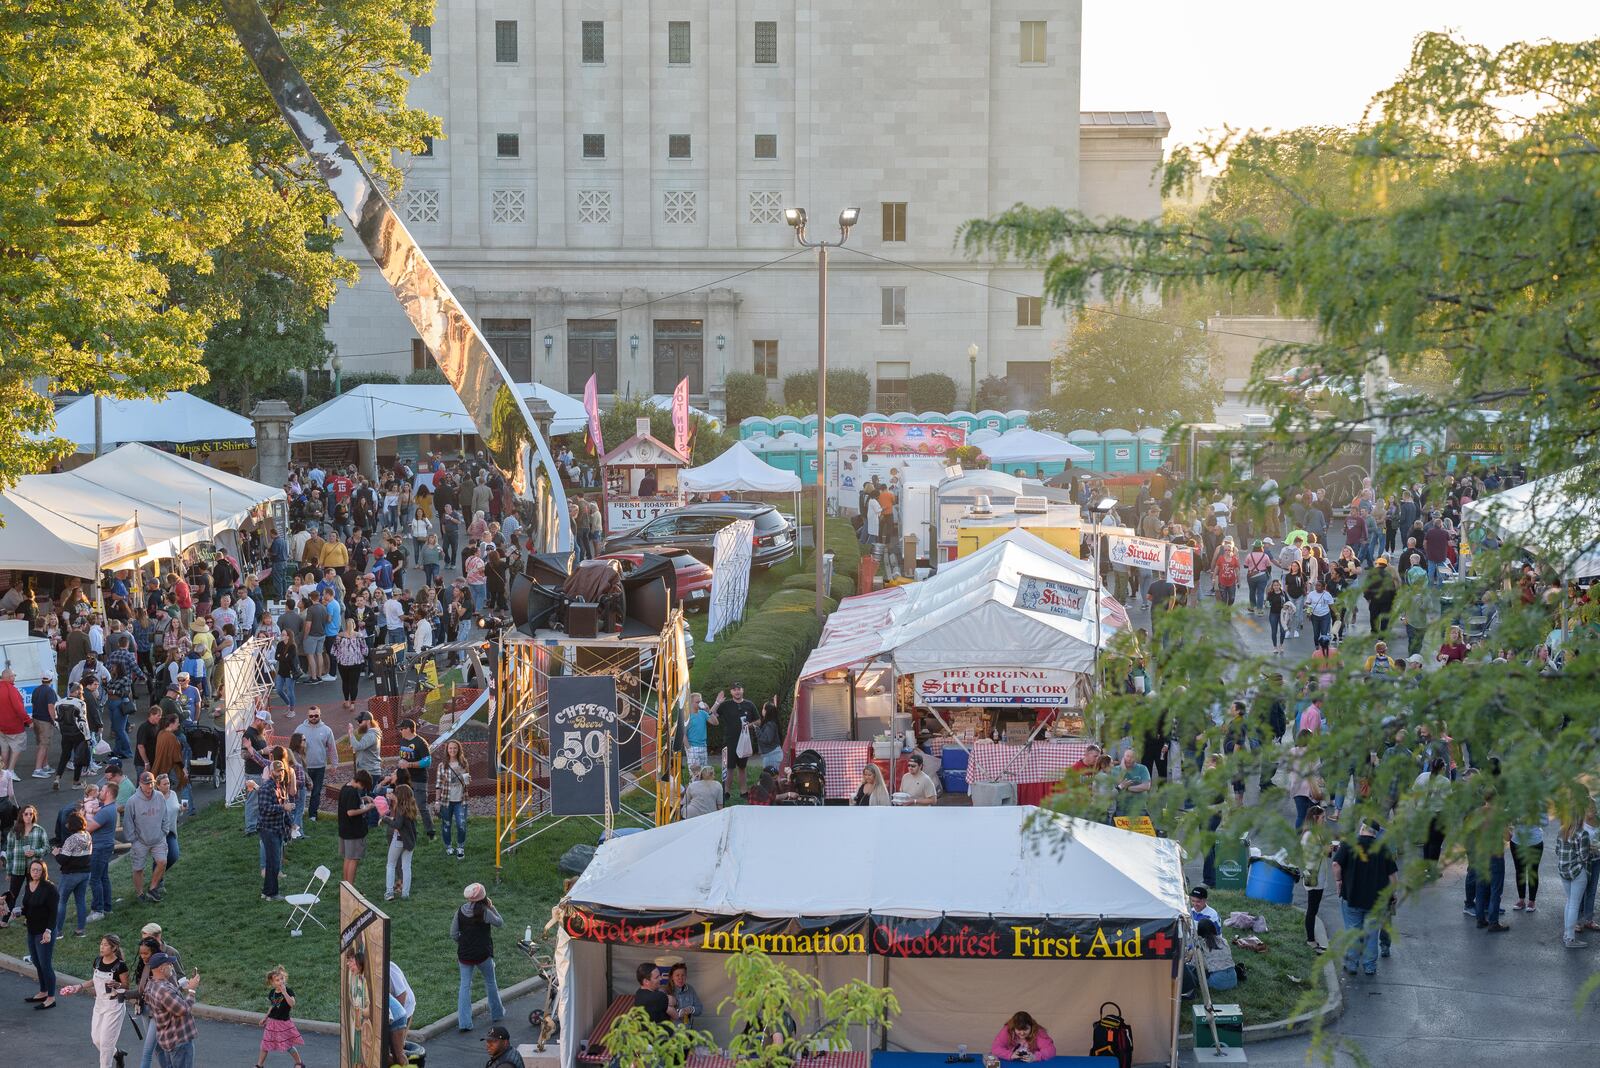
<point x="703" y="795"/>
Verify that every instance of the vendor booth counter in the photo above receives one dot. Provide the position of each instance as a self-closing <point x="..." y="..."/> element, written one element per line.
<point x="967" y="914"/>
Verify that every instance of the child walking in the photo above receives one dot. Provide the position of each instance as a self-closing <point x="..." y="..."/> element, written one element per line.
<point x="402" y="823"/>
<point x="279" y="1034"/>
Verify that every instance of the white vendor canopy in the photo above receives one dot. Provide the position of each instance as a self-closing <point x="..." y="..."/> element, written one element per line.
<point x="1556" y="518"/>
<point x="177" y="417"/>
<point x="967" y="914"/>
<point x="177" y="503"/>
<point x="1025" y="445"/>
<point x="966" y="616"/>
<point x="738" y="471"/>
<point x="374" y="411"/>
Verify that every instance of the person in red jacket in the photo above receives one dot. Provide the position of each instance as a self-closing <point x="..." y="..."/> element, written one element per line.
<point x="14" y="721"/>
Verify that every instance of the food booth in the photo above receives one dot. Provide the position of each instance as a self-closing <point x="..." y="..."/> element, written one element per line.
<point x="967" y="914"/>
<point x="989" y="663"/>
<point x="639" y="481"/>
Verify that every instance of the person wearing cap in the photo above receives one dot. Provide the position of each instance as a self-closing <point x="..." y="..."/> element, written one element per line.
<point x="253" y="749"/>
<point x="1200" y="906"/>
<point x="472" y="930"/>
<point x="497" y="1044"/>
<point x="735" y="714"/>
<point x="365" y="740"/>
<point x="917" y="784"/>
<point x="44" y="721"/>
<point x="172" y="1007"/>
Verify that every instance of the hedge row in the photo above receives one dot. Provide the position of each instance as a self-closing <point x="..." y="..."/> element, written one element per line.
<point x="843" y="585"/>
<point x="768" y="650"/>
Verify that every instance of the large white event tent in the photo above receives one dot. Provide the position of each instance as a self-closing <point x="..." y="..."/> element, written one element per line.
<point x="1025" y="445"/>
<point x="375" y="411"/>
<point x="177" y="417"/>
<point x="57" y="519"/>
<point x="1557" y="518"/>
<point x="738" y="471"/>
<point x="967" y="914"/>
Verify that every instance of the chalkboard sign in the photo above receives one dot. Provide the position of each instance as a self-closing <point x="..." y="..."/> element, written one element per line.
<point x="583" y="725"/>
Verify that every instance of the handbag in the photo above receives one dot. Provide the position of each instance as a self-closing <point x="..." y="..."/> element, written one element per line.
<point x="745" y="748"/>
<point x="1112" y="1036"/>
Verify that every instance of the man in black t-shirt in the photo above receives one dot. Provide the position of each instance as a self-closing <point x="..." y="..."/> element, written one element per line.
<point x="732" y="713"/>
<point x="354" y="804"/>
<point x="145" y="738"/>
<point x="647" y="997"/>
<point x="1362" y="870"/>
<point x="412" y="768"/>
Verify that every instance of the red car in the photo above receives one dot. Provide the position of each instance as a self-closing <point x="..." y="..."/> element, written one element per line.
<point x="693" y="577"/>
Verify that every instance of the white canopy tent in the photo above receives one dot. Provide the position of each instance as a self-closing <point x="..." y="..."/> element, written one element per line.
<point x="1557" y="518"/>
<point x="177" y="417"/>
<point x="1025" y="445"/>
<point x="1042" y="912"/>
<point x="372" y="412"/>
<point x="738" y="471"/>
<point x="177" y="502"/>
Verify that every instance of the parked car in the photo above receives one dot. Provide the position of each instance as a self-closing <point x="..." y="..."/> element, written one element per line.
<point x="695" y="528"/>
<point x="694" y="577"/>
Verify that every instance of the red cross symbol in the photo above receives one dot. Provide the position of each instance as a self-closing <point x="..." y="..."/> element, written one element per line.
<point x="1159" y="944"/>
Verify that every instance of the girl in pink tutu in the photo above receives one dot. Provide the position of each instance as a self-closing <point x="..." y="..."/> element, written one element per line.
<point x="280" y="1034"/>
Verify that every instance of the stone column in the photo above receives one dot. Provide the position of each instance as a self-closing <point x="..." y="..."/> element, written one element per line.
<point x="272" y="419"/>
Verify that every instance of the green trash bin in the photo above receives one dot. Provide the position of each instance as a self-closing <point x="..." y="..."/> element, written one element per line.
<point x="1230" y="1027"/>
<point x="1233" y="863"/>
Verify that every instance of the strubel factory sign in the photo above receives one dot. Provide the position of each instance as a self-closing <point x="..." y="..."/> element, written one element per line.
<point x="994" y="686"/>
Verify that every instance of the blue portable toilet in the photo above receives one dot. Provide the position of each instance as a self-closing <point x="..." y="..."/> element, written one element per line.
<point x="751" y="425"/>
<point x="1154" y="450"/>
<point x="1016" y="417"/>
<point x="1121" y="451"/>
<point x="965" y="420"/>
<point x="989" y="419"/>
<point x="1090" y="440"/>
<point x="786" y="424"/>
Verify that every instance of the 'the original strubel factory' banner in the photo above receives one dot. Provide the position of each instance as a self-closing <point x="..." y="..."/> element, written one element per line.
<point x="995" y="686"/>
<point x="968" y="938"/>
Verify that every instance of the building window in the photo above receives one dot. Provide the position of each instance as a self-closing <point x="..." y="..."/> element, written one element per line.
<point x="892" y="379"/>
<point x="767" y="359"/>
<point x="594" y="206"/>
<point x="512" y="341"/>
<point x="1030" y="379"/>
<point x="505" y="41"/>
<point x="594" y="146"/>
<point x="423" y="35"/>
<point x="766" y="206"/>
<point x="592" y="350"/>
<point x="594" y="42"/>
<point x="677" y="43"/>
<point x="678" y="352"/>
<point x="421" y="205"/>
<point x="1033" y="42"/>
<point x="766" y="146"/>
<point x="894" y="305"/>
<point x="426" y="152"/>
<point x="421" y="360"/>
<point x="1029" y="310"/>
<point x="894" y="221"/>
<point x="766" y="42"/>
<point x="677" y="146"/>
<point x="508" y="206"/>
<point x="678" y="206"/>
<point x="507" y="146"/>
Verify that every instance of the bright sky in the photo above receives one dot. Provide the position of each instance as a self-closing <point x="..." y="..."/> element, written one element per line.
<point x="1254" y="64"/>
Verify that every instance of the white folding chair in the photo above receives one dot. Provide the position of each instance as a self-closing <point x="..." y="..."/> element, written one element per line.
<point x="304" y="903"/>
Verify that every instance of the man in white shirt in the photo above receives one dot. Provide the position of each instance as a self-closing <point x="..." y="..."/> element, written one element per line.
<point x="1200" y="906"/>
<point x="917" y="784"/>
<point x="247" y="616"/>
<point x="422" y="637"/>
<point x="402" y="1004"/>
<point x="317" y="475"/>
<point x="97" y="636"/>
<point x="394" y="619"/>
<point x="297" y="544"/>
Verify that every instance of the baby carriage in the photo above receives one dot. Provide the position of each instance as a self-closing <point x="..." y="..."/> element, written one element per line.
<point x="808" y="779"/>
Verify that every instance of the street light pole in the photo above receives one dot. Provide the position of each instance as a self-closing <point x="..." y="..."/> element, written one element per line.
<point x="1097" y="512"/>
<point x="972" y="362"/>
<point x="796" y="217"/>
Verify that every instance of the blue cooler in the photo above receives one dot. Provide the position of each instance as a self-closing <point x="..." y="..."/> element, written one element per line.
<point x="954" y="780"/>
<point x="1269" y="882"/>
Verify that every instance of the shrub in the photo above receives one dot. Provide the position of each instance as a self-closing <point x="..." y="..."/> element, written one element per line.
<point x="367" y="378"/>
<point x="746" y="396"/>
<point x="618" y="423"/>
<point x="993" y="393"/>
<point x="768" y="650"/>
<point x="932" y="392"/>
<point x="427" y="376"/>
<point x="848" y="391"/>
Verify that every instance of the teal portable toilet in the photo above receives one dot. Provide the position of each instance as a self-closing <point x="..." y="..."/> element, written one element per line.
<point x="786" y="424"/>
<point x="808" y="468"/>
<point x="1121" y="451"/>
<point x="989" y="419"/>
<point x="1154" y="449"/>
<point x="1397" y="450"/>
<point x="1090" y="440"/>
<point x="751" y="425"/>
<point x="808" y="425"/>
<point x="965" y="420"/>
<point x="904" y="417"/>
<point x="934" y="417"/>
<point x="1016" y="417"/>
<point x="875" y="417"/>
<point x="845" y="424"/>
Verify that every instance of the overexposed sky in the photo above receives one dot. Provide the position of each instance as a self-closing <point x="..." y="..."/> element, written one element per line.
<point x="1256" y="64"/>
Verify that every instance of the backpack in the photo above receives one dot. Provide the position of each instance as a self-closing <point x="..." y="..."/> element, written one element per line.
<point x="1112" y="1036"/>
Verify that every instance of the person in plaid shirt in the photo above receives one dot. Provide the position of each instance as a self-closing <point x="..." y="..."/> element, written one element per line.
<point x="272" y="816"/>
<point x="1572" y="865"/>
<point x="173" y="1009"/>
<point x="123" y="663"/>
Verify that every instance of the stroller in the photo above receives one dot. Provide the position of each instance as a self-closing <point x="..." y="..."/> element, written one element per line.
<point x="808" y="779"/>
<point x="205" y="753"/>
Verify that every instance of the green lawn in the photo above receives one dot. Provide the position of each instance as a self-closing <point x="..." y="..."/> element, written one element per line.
<point x="1284" y="981"/>
<point x="214" y="914"/>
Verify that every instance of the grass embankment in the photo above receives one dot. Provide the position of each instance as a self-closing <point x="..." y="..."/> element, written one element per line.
<point x="214" y="915"/>
<point x="1284" y="981"/>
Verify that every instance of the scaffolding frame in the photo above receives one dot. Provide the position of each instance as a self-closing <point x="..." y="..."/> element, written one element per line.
<point x="650" y="705"/>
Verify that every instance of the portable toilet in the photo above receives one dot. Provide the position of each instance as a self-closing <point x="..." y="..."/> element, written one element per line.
<point x="904" y="417"/>
<point x="989" y="419"/>
<point x="1121" y="451"/>
<point x="876" y="417"/>
<point x="808" y="425"/>
<point x="981" y="435"/>
<point x="1090" y="440"/>
<point x="965" y="420"/>
<point x="786" y="424"/>
<point x="1399" y="450"/>
<point x="751" y="425"/>
<point x="1154" y="449"/>
<point x="844" y="424"/>
<point x="1017" y="417"/>
<point x="934" y="417"/>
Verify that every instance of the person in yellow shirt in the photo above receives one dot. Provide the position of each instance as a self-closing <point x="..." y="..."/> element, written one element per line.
<point x="334" y="555"/>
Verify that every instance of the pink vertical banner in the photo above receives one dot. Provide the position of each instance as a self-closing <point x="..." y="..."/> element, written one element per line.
<point x="591" y="404"/>
<point x="680" y="419"/>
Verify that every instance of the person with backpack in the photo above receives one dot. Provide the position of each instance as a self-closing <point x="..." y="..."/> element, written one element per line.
<point x="1380" y="664"/>
<point x="1258" y="572"/>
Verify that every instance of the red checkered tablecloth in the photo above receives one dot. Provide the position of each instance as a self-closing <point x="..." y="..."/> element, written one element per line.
<point x="844" y="763"/>
<point x="1042" y="762"/>
<point x="847" y="1059"/>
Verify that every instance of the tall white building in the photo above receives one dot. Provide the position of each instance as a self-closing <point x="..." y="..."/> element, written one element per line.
<point x="608" y="197"/>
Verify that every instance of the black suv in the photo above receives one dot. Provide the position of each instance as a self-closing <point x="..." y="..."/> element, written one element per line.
<point x="695" y="527"/>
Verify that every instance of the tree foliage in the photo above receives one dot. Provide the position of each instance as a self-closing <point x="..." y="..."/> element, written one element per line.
<point x="746" y="395"/>
<point x="1456" y="221"/>
<point x="147" y="186"/>
<point x="618" y="424"/>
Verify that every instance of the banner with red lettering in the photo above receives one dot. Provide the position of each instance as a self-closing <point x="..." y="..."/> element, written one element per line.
<point x="1180" y="569"/>
<point x="910" y="439"/>
<point x="591" y="404"/>
<point x="1139" y="552"/>
<point x="680" y="419"/>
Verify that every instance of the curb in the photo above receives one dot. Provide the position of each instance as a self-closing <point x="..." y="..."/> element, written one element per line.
<point x="1331" y="1010"/>
<point x="223" y="1014"/>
